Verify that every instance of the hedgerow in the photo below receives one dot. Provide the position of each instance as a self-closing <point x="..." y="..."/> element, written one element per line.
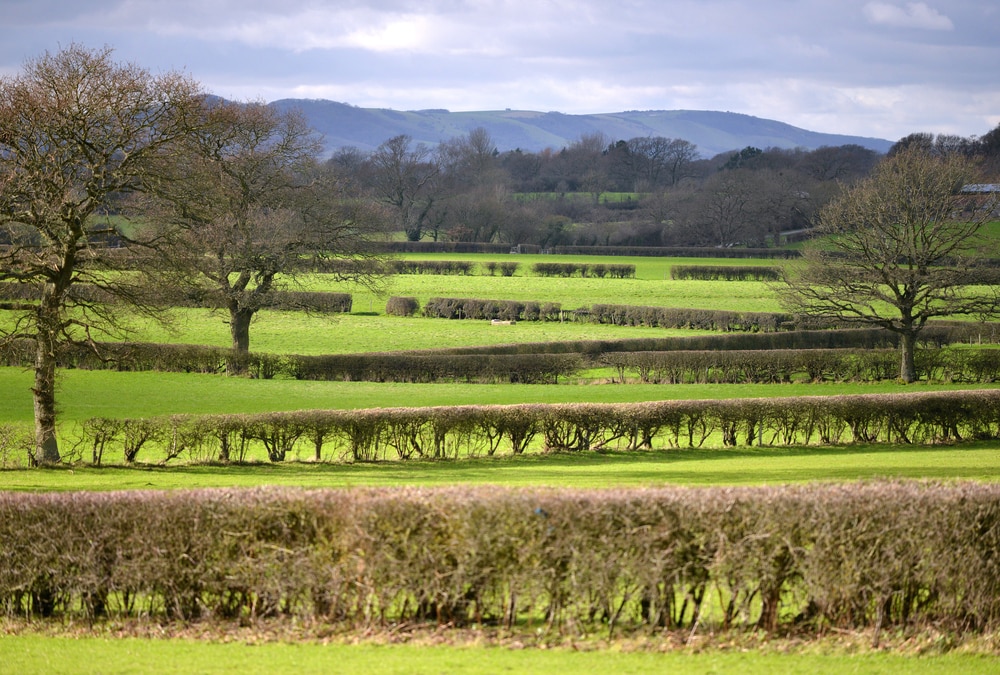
<point x="503" y="310"/>
<point x="596" y="270"/>
<point x="403" y="367"/>
<point x="282" y="300"/>
<point x="784" y="365"/>
<point x="726" y="272"/>
<point x="464" y="431"/>
<point x="738" y="357"/>
<point x="402" y="306"/>
<point x="814" y="558"/>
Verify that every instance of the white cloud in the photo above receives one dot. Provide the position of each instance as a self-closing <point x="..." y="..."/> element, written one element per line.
<point x="912" y="15"/>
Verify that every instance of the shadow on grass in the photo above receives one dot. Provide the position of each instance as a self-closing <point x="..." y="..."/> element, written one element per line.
<point x="686" y="466"/>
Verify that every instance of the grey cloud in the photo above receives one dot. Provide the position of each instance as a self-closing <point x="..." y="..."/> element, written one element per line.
<point x="867" y="67"/>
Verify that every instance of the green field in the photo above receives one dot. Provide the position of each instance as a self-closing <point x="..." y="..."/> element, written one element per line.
<point x="37" y="654"/>
<point x="701" y="466"/>
<point x="85" y="394"/>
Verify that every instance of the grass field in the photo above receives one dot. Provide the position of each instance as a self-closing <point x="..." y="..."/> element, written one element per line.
<point x="300" y="333"/>
<point x="713" y="466"/>
<point x="29" y="654"/>
<point x="85" y="394"/>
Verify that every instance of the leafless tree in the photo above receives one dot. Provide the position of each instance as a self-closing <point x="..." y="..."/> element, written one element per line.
<point x="77" y="130"/>
<point x="248" y="202"/>
<point x="470" y="161"/>
<point x="405" y="177"/>
<point x="902" y="249"/>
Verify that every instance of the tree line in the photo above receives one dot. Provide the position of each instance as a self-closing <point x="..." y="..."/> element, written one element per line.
<point x="662" y="192"/>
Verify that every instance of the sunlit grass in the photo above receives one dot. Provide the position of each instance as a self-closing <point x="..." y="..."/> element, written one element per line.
<point x="301" y="333"/>
<point x="684" y="466"/>
<point x="29" y="654"/>
<point x="83" y="394"/>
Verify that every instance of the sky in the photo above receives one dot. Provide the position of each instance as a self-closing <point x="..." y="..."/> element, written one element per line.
<point x="877" y="68"/>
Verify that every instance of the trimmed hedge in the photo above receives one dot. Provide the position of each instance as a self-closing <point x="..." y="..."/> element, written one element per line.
<point x="678" y="251"/>
<point x="698" y="319"/>
<point x="744" y="357"/>
<point x="726" y="272"/>
<point x="867" y="338"/>
<point x="810" y="558"/>
<point x="506" y="268"/>
<point x="389" y="367"/>
<point x="502" y="310"/>
<point x="938" y="335"/>
<point x="782" y="365"/>
<point x="282" y="300"/>
<point x="592" y="270"/>
<point x="469" y="431"/>
<point x="402" y="306"/>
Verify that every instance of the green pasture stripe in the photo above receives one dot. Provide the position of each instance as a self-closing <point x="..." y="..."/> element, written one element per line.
<point x="302" y="333"/>
<point x="574" y="292"/>
<point x="646" y="267"/>
<point x="83" y="394"/>
<point x="38" y="654"/>
<point x="728" y="466"/>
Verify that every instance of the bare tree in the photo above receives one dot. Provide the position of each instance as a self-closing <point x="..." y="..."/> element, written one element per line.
<point x="724" y="211"/>
<point x="76" y="130"/>
<point x="405" y="177"/>
<point x="470" y="161"/>
<point x="248" y="202"/>
<point x="645" y="162"/>
<point x="902" y="251"/>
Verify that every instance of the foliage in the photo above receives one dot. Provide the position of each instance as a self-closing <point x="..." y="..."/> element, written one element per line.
<point x="402" y="306"/>
<point x="599" y="270"/>
<point x="246" y="202"/>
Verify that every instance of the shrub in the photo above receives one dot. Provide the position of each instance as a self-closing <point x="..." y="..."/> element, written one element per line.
<point x="508" y="269"/>
<point x="599" y="270"/>
<point x="402" y="306"/>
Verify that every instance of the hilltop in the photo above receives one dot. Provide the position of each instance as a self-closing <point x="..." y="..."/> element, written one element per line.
<point x="713" y="132"/>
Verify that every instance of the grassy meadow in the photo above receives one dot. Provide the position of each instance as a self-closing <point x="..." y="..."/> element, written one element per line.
<point x="85" y="394"/>
<point x="36" y="654"/>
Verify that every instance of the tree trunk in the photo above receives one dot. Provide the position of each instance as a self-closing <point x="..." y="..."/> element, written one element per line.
<point x="44" y="391"/>
<point x="907" y="369"/>
<point x="239" y="328"/>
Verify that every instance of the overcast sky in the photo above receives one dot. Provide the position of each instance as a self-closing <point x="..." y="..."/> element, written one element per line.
<point x="881" y="68"/>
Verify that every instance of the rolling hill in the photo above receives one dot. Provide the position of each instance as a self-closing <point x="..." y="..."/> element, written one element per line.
<point x="713" y="132"/>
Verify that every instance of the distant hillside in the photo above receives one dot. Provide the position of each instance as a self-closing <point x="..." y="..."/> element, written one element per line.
<point x="713" y="132"/>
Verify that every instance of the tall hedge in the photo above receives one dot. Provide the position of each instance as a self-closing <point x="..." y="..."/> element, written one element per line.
<point x="810" y="558"/>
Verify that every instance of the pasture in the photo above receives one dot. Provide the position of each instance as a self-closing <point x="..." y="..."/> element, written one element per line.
<point x="86" y="394"/>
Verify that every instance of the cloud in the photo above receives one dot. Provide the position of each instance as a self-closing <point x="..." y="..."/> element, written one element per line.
<point x="865" y="67"/>
<point x="912" y="15"/>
